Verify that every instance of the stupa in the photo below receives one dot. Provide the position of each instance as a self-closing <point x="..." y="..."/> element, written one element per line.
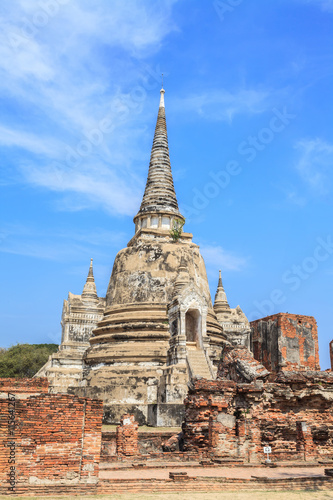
<point x="159" y="327"/>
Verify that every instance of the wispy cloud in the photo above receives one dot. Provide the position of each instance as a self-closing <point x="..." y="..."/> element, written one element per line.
<point x="325" y="5"/>
<point x="57" y="245"/>
<point x="57" y="95"/>
<point x="294" y="198"/>
<point x="315" y="164"/>
<point x="291" y="196"/>
<point x="93" y="185"/>
<point x="224" y="105"/>
<point x="10" y="137"/>
<point x="217" y="258"/>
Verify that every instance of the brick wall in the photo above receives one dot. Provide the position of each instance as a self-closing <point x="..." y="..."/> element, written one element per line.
<point x="148" y="443"/>
<point x="292" y="414"/>
<point x="23" y="386"/>
<point x="286" y="342"/>
<point x="205" y="400"/>
<point x="49" y="439"/>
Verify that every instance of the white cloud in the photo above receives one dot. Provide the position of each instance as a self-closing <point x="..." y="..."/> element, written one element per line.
<point x="294" y="198"/>
<point x="218" y="258"/>
<point x="57" y="244"/>
<point x="325" y="5"/>
<point x="29" y="142"/>
<point x="225" y="105"/>
<point x="58" y="82"/>
<point x="99" y="188"/>
<point x="315" y="164"/>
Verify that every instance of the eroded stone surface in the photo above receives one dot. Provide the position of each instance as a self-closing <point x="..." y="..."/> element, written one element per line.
<point x="286" y="342"/>
<point x="239" y="365"/>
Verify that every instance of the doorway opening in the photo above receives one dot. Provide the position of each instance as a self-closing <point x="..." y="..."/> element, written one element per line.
<point x="193" y="328"/>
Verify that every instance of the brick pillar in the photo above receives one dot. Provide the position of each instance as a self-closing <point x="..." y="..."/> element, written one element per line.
<point x="243" y="430"/>
<point x="304" y="444"/>
<point x="222" y="435"/>
<point x="255" y="446"/>
<point x="127" y="436"/>
<point x="331" y="354"/>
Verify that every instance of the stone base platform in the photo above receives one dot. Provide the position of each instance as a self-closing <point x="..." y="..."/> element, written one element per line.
<point x="152" y="414"/>
<point x="191" y="479"/>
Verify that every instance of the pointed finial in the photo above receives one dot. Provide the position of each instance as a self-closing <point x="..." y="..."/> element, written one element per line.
<point x="221" y="302"/>
<point x="89" y="290"/>
<point x="90" y="273"/>
<point x="162" y="80"/>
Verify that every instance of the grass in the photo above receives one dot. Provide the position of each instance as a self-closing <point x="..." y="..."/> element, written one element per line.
<point x="223" y="495"/>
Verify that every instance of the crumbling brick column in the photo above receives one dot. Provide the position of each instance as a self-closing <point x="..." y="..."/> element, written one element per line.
<point x="222" y="435"/>
<point x="305" y="443"/>
<point x="286" y="342"/>
<point x="255" y="445"/>
<point x="127" y="436"/>
<point x="331" y="354"/>
<point x="243" y="431"/>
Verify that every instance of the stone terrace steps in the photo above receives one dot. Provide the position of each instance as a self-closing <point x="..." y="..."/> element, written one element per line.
<point x="198" y="364"/>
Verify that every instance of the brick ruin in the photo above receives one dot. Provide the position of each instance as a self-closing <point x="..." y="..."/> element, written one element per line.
<point x="57" y="440"/>
<point x="127" y="436"/>
<point x="285" y="341"/>
<point x="331" y="354"/>
<point x="47" y="439"/>
<point x="247" y="407"/>
<point x="158" y="328"/>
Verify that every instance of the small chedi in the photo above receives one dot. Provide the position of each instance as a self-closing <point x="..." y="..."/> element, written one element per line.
<point x="157" y="330"/>
<point x="80" y="315"/>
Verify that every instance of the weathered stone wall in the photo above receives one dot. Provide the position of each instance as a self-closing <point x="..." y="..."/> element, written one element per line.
<point x="49" y="439"/>
<point x="293" y="414"/>
<point x="286" y="342"/>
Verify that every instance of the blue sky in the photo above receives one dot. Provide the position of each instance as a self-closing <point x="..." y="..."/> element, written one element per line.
<point x="249" y="114"/>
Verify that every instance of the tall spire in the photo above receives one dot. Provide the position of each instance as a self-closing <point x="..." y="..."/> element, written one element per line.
<point x="89" y="293"/>
<point x="159" y="196"/>
<point x="221" y="302"/>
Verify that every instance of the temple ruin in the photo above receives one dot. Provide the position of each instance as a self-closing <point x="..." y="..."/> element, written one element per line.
<point x="157" y="329"/>
<point x="157" y="351"/>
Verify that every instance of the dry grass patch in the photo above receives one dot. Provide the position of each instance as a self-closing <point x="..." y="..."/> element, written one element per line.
<point x="226" y="495"/>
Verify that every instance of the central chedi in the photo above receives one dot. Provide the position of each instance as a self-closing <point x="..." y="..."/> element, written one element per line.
<point x="137" y="348"/>
<point x="159" y="327"/>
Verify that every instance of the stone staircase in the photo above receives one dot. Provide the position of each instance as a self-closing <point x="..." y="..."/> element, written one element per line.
<point x="198" y="363"/>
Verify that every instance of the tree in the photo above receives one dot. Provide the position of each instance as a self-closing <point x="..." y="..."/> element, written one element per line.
<point x="24" y="360"/>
